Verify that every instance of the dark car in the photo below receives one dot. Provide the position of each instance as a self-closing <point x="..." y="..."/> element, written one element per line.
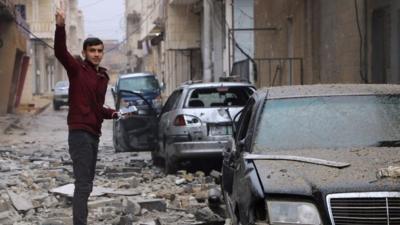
<point x="60" y="95"/>
<point x="323" y="154"/>
<point x="137" y="133"/>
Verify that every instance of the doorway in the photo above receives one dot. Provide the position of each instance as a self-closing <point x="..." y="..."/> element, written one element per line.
<point x="380" y="45"/>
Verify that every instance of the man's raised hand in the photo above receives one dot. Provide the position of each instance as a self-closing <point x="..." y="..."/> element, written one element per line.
<point x="60" y="17"/>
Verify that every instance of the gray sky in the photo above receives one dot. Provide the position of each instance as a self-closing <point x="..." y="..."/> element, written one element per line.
<point x="103" y="18"/>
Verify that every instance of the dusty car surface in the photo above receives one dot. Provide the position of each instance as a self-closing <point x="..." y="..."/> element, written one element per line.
<point x="60" y="95"/>
<point x="195" y="123"/>
<point x="322" y="154"/>
<point x="139" y="132"/>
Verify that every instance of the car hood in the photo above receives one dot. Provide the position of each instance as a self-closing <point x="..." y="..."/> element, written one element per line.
<point x="306" y="178"/>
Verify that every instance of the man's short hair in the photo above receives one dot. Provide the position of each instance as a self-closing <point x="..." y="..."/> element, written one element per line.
<point x="91" y="42"/>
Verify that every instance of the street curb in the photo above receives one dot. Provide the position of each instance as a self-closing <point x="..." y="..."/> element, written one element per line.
<point x="41" y="109"/>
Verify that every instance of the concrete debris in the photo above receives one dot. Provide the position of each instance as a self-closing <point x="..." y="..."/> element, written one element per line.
<point x="153" y="204"/>
<point x="68" y="190"/>
<point x="36" y="185"/>
<point x="391" y="171"/>
<point x="180" y="181"/>
<point x="20" y="202"/>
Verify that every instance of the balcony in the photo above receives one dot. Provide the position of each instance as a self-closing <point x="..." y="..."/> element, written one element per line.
<point x="43" y="29"/>
<point x="155" y="19"/>
<point x="183" y="2"/>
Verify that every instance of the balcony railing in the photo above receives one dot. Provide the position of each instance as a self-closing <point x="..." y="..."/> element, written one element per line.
<point x="43" y="29"/>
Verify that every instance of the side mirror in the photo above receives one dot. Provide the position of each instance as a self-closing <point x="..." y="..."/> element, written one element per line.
<point x="241" y="145"/>
<point x="114" y="94"/>
<point x="162" y="86"/>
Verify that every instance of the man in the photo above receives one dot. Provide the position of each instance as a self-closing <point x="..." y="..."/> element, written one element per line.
<point x="88" y="86"/>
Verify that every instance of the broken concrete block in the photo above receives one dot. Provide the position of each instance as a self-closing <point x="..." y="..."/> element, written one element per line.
<point x="215" y="174"/>
<point x="132" y="207"/>
<point x="124" y="192"/>
<point x="53" y="222"/>
<point x="68" y="190"/>
<point x="7" y="218"/>
<point x="180" y="181"/>
<point x="153" y="204"/>
<point x="134" y="182"/>
<point x="207" y="215"/>
<point x="199" y="174"/>
<point x="20" y="203"/>
<point x="104" y="203"/>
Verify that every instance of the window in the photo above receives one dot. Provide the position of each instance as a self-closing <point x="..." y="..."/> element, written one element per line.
<point x="144" y="83"/>
<point x="328" y="123"/>
<point x="219" y="96"/>
<point x="244" y="120"/>
<point x="172" y="101"/>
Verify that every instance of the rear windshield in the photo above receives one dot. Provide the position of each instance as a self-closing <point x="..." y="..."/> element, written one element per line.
<point x="146" y="83"/>
<point x="218" y="97"/>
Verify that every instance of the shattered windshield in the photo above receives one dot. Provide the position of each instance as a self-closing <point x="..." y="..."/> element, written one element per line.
<point x="329" y="122"/>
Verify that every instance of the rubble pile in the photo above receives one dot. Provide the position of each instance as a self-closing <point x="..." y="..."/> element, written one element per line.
<point x="36" y="187"/>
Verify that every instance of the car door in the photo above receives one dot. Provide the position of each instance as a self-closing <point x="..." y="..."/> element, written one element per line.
<point x="165" y="118"/>
<point x="138" y="132"/>
<point x="231" y="158"/>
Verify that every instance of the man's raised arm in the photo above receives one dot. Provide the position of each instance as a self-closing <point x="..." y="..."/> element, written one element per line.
<point x="60" y="46"/>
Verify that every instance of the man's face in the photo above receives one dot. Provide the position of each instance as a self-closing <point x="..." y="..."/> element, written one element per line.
<point x="94" y="54"/>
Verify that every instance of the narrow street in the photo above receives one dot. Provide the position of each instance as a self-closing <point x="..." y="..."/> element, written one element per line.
<point x="34" y="160"/>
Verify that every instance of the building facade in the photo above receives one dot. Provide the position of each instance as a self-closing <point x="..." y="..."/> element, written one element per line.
<point x="267" y="42"/>
<point x="322" y="41"/>
<point x="14" y="57"/>
<point x="44" y="70"/>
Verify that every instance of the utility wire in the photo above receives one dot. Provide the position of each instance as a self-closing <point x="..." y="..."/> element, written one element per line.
<point x="34" y="35"/>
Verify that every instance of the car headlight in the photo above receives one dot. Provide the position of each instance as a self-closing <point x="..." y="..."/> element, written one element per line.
<point x="285" y="212"/>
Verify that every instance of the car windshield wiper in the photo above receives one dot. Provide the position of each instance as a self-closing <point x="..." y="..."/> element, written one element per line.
<point x="387" y="143"/>
<point x="298" y="159"/>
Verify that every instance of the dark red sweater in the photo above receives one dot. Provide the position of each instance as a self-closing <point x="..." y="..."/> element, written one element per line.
<point x="87" y="89"/>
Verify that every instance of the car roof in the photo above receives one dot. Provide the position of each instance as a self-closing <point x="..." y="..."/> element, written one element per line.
<point x="329" y="90"/>
<point x="216" y="84"/>
<point x="130" y="75"/>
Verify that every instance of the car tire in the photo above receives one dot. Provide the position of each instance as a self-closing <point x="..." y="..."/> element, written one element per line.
<point x="118" y="147"/>
<point x="157" y="159"/>
<point x="56" y="106"/>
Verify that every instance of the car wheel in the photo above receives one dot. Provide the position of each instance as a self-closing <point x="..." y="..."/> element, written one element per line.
<point x="117" y="145"/>
<point x="56" y="106"/>
<point x="157" y="159"/>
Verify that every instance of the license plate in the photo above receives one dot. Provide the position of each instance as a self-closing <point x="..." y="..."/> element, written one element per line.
<point x="220" y="130"/>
